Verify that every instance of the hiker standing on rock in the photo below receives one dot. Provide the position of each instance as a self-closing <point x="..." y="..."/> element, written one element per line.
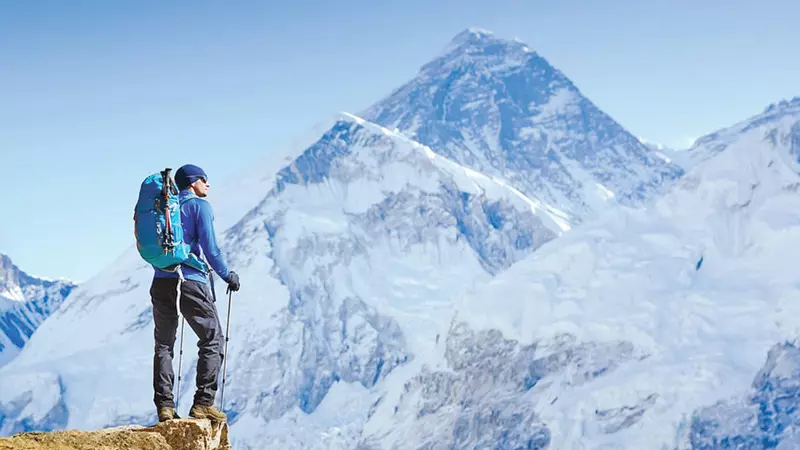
<point x="197" y="303"/>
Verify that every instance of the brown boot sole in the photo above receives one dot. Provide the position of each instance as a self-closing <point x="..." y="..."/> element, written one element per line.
<point x="208" y="416"/>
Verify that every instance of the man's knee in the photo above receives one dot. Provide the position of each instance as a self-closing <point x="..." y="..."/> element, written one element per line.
<point x="165" y="331"/>
<point x="211" y="343"/>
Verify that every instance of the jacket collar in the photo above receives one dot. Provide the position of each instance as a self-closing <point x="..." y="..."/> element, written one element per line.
<point x="187" y="194"/>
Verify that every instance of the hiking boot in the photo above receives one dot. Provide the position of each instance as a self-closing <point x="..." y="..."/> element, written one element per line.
<point x="166" y="413"/>
<point x="207" y="412"/>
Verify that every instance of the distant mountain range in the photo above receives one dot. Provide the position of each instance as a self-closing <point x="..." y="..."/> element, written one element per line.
<point x="25" y="302"/>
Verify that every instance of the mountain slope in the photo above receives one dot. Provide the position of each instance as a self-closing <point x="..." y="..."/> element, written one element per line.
<point x="499" y="108"/>
<point x="783" y="115"/>
<point x="764" y="416"/>
<point x="645" y="329"/>
<point x="25" y="302"/>
<point x="348" y="263"/>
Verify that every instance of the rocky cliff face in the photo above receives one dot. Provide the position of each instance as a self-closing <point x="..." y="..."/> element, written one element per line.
<point x="766" y="417"/>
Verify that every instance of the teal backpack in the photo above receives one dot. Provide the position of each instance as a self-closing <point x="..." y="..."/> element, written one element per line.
<point x="157" y="225"/>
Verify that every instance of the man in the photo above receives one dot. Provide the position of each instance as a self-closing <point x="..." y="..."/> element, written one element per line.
<point x="196" y="303"/>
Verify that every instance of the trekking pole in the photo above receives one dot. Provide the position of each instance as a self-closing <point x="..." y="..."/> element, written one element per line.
<point x="225" y="355"/>
<point x="183" y="319"/>
<point x="180" y="360"/>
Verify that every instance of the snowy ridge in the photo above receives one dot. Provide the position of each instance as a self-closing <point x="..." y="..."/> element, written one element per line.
<point x="781" y="115"/>
<point x="552" y="217"/>
<point x="25" y="302"/>
<point x="497" y="107"/>
<point x="235" y="196"/>
<point x="657" y="299"/>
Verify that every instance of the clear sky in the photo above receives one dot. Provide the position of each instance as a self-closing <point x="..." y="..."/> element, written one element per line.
<point x="95" y="95"/>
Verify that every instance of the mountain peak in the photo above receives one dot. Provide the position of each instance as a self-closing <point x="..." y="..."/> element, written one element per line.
<point x="25" y="302"/>
<point x="5" y="261"/>
<point x="9" y="273"/>
<point x="473" y="35"/>
<point x="482" y="47"/>
<point x="499" y="108"/>
<point x="783" y="105"/>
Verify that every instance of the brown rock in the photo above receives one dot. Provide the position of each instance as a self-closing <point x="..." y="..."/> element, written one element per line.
<point x="182" y="434"/>
<point x="194" y="434"/>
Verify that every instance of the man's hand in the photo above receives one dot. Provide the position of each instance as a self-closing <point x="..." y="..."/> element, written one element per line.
<point x="233" y="282"/>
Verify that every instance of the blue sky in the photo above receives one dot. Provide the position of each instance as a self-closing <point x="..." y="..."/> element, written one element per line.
<point x="95" y="95"/>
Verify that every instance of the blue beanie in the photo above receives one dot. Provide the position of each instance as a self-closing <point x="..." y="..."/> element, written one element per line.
<point x="187" y="175"/>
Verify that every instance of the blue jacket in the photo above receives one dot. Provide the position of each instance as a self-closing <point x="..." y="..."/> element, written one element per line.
<point x="197" y="219"/>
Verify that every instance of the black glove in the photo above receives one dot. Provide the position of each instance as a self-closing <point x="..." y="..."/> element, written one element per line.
<point x="233" y="282"/>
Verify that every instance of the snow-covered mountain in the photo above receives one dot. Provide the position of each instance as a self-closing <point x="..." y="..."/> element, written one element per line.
<point x="348" y="264"/>
<point x="25" y="302"/>
<point x="670" y="327"/>
<point x="498" y="107"/>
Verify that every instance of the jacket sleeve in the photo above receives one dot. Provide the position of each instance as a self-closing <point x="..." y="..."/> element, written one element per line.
<point x="208" y="240"/>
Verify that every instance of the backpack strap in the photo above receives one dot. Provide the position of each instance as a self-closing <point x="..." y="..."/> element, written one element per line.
<point x="193" y="260"/>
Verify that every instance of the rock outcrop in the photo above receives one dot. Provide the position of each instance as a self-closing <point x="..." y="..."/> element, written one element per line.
<point x="182" y="434"/>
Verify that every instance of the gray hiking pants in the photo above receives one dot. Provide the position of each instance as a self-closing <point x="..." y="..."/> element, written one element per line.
<point x="197" y="306"/>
